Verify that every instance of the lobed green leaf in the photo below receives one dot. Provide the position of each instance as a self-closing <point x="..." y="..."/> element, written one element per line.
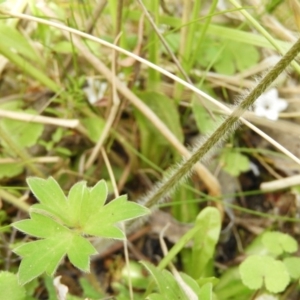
<point x="40" y="226"/>
<point x="278" y="242"/>
<point x="51" y="196"/>
<point x="257" y="270"/>
<point x="41" y="256"/>
<point x="9" y="287"/>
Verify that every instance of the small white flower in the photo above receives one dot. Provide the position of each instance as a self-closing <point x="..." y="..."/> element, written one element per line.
<point x="254" y="168"/>
<point x="269" y="105"/>
<point x="61" y="289"/>
<point x="94" y="90"/>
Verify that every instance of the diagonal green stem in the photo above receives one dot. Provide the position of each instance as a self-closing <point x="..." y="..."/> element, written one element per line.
<point x="223" y="130"/>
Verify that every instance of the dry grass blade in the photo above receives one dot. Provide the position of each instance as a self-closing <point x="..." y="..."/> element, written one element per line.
<point x="211" y="182"/>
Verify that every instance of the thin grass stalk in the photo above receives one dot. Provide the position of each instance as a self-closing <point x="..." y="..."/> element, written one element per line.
<point x="184" y="169"/>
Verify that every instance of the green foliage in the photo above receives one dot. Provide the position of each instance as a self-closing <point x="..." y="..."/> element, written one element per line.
<point x="170" y="288"/>
<point x="9" y="287"/>
<point x="137" y="275"/>
<point x="209" y="224"/>
<point x="25" y="135"/>
<point x="56" y="137"/>
<point x="94" y="127"/>
<point x="184" y="211"/>
<point x="17" y="50"/>
<point x="257" y="271"/>
<point x="22" y="135"/>
<point x="89" y="290"/>
<point x="292" y="265"/>
<point x="234" y="57"/>
<point x="262" y="268"/>
<point x="150" y="138"/>
<point x="204" y="121"/>
<point x="234" y="162"/>
<point x="10" y="169"/>
<point x="17" y="43"/>
<point x="197" y="235"/>
<point x="63" y="233"/>
<point x="278" y="243"/>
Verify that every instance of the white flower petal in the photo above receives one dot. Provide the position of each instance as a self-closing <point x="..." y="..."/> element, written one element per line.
<point x="269" y="105"/>
<point x="281" y="104"/>
<point x="272" y="115"/>
<point x="260" y="111"/>
<point x="271" y="94"/>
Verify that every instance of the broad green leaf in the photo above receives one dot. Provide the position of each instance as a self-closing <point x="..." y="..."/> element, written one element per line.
<point x="206" y="292"/>
<point x="11" y="170"/>
<point x="204" y="121"/>
<point x="233" y="57"/>
<point x="293" y="266"/>
<point x="117" y="210"/>
<point x="192" y="283"/>
<point x="77" y="201"/>
<point x="166" y="283"/>
<point x="90" y="289"/>
<point x="230" y="286"/>
<point x="156" y="297"/>
<point x="94" y="126"/>
<point x="150" y="138"/>
<point x="10" y="288"/>
<point x="173" y="40"/>
<point x="50" y="195"/>
<point x="213" y="280"/>
<point x="257" y="270"/>
<point x="79" y="252"/>
<point x="245" y="56"/>
<point x="234" y="162"/>
<point x="224" y="63"/>
<point x="209" y="224"/>
<point x="40" y="226"/>
<point x="94" y="201"/>
<point x="24" y="134"/>
<point x="184" y="211"/>
<point x="16" y="42"/>
<point x="278" y="242"/>
<point x="136" y="272"/>
<point x="42" y="256"/>
<point x="25" y="66"/>
<point x="64" y="47"/>
<point x="63" y="221"/>
<point x="230" y="61"/>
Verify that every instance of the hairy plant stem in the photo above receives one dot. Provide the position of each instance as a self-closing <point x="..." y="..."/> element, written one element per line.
<point x="222" y="131"/>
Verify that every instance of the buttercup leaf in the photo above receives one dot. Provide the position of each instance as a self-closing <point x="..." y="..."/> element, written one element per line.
<point x="76" y="202"/>
<point x="50" y="195"/>
<point x="40" y="226"/>
<point x="79" y="252"/>
<point x="62" y="222"/>
<point x="41" y="256"/>
<point x="9" y="287"/>
<point x="117" y="210"/>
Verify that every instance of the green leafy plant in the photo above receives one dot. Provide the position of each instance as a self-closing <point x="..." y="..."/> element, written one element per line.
<point x="204" y="235"/>
<point x="62" y="233"/>
<point x="264" y="269"/>
<point x="21" y="135"/>
<point x="170" y="287"/>
<point x="9" y="287"/>
<point x="234" y="162"/>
